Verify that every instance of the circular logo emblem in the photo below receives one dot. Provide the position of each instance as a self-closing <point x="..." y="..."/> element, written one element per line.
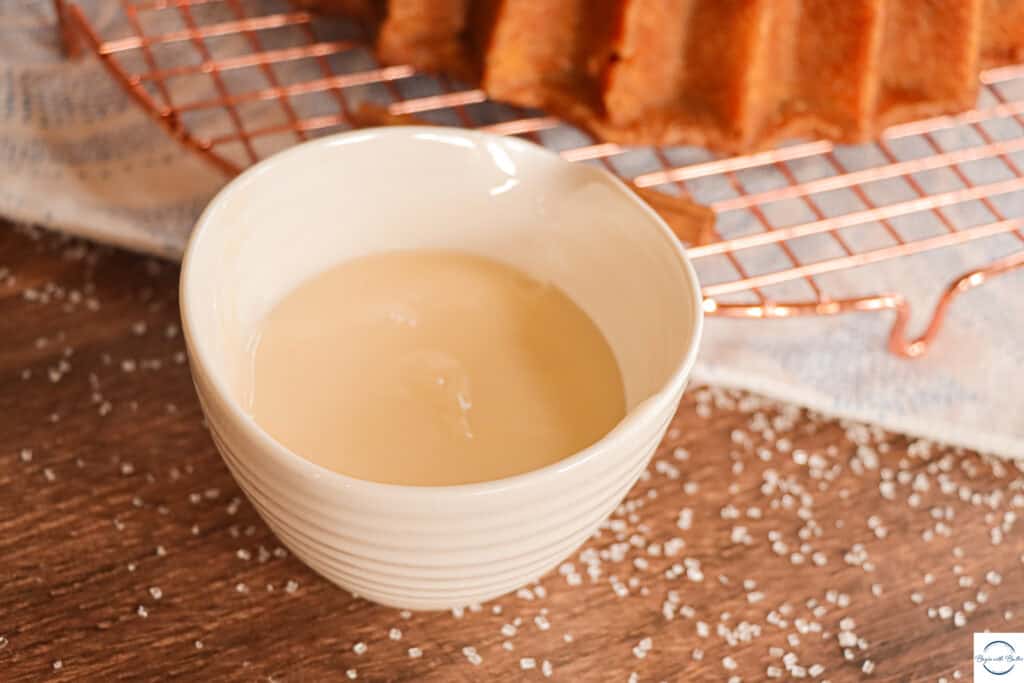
<point x="999" y="658"/>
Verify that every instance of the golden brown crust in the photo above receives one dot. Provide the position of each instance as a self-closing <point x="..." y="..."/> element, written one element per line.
<point x="929" y="58"/>
<point x="541" y="46"/>
<point x="734" y="75"/>
<point x="648" y="61"/>
<point x="1002" y="35"/>
<point x="834" y="85"/>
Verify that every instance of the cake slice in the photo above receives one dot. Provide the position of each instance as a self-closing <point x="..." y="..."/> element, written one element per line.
<point x="542" y="47"/>
<point x="428" y="34"/>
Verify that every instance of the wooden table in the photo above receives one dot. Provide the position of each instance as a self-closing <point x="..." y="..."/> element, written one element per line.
<point x="126" y="550"/>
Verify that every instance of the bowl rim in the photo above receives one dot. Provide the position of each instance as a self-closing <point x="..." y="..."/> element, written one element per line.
<point x="200" y="364"/>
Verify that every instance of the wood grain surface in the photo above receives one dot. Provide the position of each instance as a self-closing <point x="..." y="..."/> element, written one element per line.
<point x="764" y="540"/>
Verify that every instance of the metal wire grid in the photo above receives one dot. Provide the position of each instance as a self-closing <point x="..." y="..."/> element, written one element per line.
<point x="344" y="72"/>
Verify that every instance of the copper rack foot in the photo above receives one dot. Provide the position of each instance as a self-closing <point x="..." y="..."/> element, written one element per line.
<point x="899" y="344"/>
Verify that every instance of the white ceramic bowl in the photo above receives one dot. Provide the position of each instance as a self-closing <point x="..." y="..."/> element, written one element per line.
<point x="323" y="202"/>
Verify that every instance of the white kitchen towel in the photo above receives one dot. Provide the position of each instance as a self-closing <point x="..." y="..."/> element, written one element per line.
<point x="77" y="154"/>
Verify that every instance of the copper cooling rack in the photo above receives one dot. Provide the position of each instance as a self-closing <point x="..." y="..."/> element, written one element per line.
<point x="268" y="42"/>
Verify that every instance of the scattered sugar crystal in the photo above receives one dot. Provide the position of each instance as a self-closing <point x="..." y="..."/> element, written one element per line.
<point x="685" y="520"/>
<point x="415" y="653"/>
<point x="359" y="648"/>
